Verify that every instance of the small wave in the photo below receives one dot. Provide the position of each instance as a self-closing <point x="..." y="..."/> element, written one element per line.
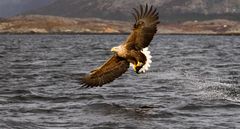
<point x="10" y="124"/>
<point x="226" y="65"/>
<point x="120" y="96"/>
<point x="161" y="114"/>
<point x="204" y="106"/>
<point x="107" y="125"/>
<point x="35" y="97"/>
<point x="89" y="97"/>
<point x="129" y="111"/>
<point x="37" y="110"/>
<point x="104" y="106"/>
<point x="18" y="91"/>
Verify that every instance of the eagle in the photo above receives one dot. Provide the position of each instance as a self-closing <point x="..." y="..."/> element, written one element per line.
<point x="132" y="52"/>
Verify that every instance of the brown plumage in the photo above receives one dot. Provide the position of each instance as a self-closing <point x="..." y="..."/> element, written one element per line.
<point x="144" y="29"/>
<point x="113" y="68"/>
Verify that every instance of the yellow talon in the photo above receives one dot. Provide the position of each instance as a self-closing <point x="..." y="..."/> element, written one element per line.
<point x="135" y="68"/>
<point x="139" y="64"/>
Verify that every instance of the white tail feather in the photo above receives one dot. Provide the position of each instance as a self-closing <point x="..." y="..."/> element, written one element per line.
<point x="147" y="53"/>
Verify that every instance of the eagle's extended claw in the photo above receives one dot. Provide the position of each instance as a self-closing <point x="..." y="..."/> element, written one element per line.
<point x="140" y="64"/>
<point x="137" y="67"/>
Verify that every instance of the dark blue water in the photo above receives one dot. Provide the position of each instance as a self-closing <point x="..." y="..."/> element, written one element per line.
<point x="194" y="82"/>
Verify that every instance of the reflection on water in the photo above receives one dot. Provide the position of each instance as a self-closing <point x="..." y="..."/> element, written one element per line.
<point x="193" y="83"/>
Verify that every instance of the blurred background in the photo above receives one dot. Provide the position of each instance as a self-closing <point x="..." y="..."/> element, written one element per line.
<point x="104" y="16"/>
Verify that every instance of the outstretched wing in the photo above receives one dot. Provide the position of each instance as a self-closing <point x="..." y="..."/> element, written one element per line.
<point x="145" y="27"/>
<point x="110" y="70"/>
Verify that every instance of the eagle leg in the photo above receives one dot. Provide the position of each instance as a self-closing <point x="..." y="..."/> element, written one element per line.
<point x="140" y="64"/>
<point x="137" y="67"/>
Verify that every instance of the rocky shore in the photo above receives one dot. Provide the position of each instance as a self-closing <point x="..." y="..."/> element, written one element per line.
<point x="40" y="24"/>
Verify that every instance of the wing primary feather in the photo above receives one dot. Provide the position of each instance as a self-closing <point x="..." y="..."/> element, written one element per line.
<point x="141" y="11"/>
<point x="138" y="15"/>
<point x="153" y="13"/>
<point x="150" y="10"/>
<point x="84" y="86"/>
<point x="156" y="15"/>
<point x="146" y="10"/>
<point x="135" y="17"/>
<point x="82" y="83"/>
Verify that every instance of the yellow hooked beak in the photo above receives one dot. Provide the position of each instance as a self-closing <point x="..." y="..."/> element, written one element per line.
<point x="113" y="49"/>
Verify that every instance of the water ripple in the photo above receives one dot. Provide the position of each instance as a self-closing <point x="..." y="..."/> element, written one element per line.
<point x="193" y="82"/>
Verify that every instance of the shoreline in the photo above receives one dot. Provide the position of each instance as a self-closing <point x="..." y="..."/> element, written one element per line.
<point x="87" y="33"/>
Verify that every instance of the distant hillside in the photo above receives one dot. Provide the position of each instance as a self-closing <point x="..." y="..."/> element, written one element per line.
<point x="52" y="24"/>
<point x="169" y="10"/>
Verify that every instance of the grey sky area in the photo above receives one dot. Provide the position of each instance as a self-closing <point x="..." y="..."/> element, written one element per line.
<point x="14" y="7"/>
<point x="169" y="10"/>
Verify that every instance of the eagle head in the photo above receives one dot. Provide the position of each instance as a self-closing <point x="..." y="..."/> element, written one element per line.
<point x="115" y="49"/>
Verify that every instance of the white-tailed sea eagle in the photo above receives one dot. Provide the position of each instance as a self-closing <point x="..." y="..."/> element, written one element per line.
<point x="133" y="51"/>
